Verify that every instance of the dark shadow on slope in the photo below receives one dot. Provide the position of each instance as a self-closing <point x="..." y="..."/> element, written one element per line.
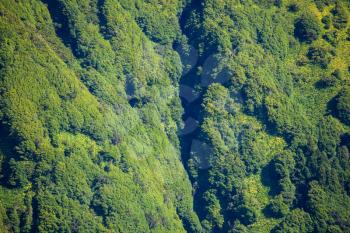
<point x="332" y="107"/>
<point x="345" y="140"/>
<point x="8" y="142"/>
<point x="192" y="110"/>
<point x="35" y="222"/>
<point x="194" y="5"/>
<point x="106" y="33"/>
<point x="61" y="23"/>
<point x="270" y="180"/>
<point x="7" y="145"/>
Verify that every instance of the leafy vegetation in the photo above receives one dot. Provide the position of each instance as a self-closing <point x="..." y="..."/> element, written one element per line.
<point x="342" y="108"/>
<point x="307" y="28"/>
<point x="96" y="97"/>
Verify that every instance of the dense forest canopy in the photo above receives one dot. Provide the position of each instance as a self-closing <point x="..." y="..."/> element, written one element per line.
<point x="199" y="116"/>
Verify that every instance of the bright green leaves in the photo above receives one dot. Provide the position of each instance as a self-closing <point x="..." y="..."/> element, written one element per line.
<point x="340" y="15"/>
<point x="280" y="168"/>
<point x="295" y="222"/>
<point x="90" y="115"/>
<point x="214" y="217"/>
<point x="158" y="19"/>
<point x="65" y="100"/>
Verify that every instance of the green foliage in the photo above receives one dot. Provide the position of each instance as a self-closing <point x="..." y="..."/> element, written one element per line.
<point x="343" y="106"/>
<point x="296" y="221"/>
<point x="293" y="7"/>
<point x="329" y="135"/>
<point x="158" y="19"/>
<point x="247" y="215"/>
<point x="319" y="55"/>
<point x="76" y="141"/>
<point x="321" y="205"/>
<point x="327" y="21"/>
<point x="321" y="4"/>
<point x="340" y="15"/>
<point x="252" y="157"/>
<point x="90" y="114"/>
<point x="273" y="37"/>
<point x="277" y="208"/>
<point x="21" y="172"/>
<point x="269" y="87"/>
<point x="307" y="28"/>
<point x="213" y="209"/>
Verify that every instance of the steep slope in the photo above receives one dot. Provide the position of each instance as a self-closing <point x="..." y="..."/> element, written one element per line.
<point x="174" y="116"/>
<point x="270" y="149"/>
<point x="88" y="127"/>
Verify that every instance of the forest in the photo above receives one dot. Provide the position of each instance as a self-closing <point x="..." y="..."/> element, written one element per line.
<point x="197" y="116"/>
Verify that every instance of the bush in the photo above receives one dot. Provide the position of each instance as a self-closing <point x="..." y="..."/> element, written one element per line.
<point x="307" y="28"/>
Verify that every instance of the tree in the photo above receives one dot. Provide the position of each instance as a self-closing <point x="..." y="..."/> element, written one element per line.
<point x="319" y="56"/>
<point x="246" y="215"/>
<point x="323" y="3"/>
<point x="329" y="135"/>
<point x="238" y="228"/>
<point x="343" y="106"/>
<point x="307" y="28"/>
<point x="277" y="208"/>
<point x="340" y="16"/>
<point x="297" y="221"/>
<point x="15" y="220"/>
<point x="282" y="165"/>
<point x="327" y="21"/>
<point x="213" y="208"/>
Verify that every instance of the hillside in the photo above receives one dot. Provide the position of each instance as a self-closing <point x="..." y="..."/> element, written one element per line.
<point x="194" y="116"/>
